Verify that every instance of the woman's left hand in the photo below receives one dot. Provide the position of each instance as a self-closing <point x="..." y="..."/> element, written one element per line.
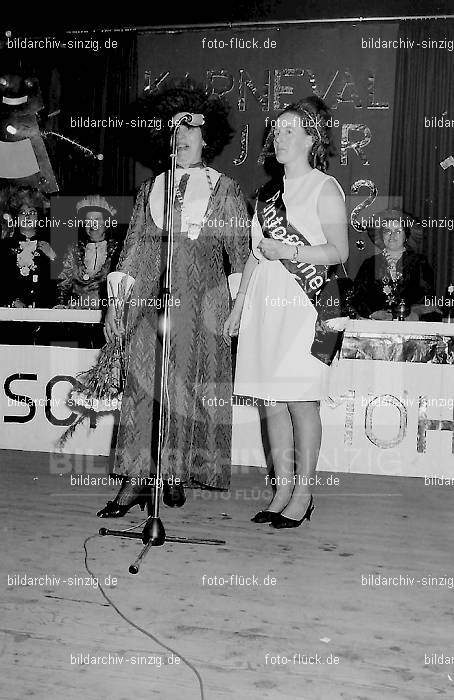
<point x="275" y="250"/>
<point x="45" y="248"/>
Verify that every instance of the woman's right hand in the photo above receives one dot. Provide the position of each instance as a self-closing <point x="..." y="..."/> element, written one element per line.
<point x="112" y="327"/>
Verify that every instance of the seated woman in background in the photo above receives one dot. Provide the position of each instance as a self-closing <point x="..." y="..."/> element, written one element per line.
<point x="395" y="277"/>
<point x="86" y="264"/>
<point x="25" y="258"/>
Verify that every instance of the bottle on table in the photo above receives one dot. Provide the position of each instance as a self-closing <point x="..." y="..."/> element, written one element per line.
<point x="402" y="310"/>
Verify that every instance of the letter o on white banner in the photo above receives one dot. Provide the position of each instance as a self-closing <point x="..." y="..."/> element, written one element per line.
<point x="390" y="400"/>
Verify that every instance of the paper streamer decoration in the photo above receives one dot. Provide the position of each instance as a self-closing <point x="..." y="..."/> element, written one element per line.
<point x="86" y="151"/>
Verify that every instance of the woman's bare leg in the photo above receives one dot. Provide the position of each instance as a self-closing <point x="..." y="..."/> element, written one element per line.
<point x="307" y="432"/>
<point x="280" y="436"/>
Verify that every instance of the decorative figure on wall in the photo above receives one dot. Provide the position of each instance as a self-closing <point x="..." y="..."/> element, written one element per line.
<point x="23" y="154"/>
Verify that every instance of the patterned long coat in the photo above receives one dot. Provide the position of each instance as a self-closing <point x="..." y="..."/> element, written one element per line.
<point x="198" y="407"/>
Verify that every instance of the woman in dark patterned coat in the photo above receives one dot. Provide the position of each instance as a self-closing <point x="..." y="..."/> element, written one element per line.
<point x="399" y="273"/>
<point x="210" y="220"/>
<point x="26" y="259"/>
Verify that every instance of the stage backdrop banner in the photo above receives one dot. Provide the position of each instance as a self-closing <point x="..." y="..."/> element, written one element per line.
<point x="35" y="382"/>
<point x="260" y="71"/>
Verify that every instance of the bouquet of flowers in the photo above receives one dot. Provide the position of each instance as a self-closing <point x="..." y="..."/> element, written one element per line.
<point x="99" y="390"/>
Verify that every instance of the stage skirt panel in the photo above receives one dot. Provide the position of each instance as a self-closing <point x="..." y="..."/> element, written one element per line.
<point x="197" y="448"/>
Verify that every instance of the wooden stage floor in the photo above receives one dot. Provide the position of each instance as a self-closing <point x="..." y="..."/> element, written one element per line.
<point x="247" y="641"/>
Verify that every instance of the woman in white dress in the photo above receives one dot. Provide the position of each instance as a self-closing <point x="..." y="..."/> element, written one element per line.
<point x="284" y="346"/>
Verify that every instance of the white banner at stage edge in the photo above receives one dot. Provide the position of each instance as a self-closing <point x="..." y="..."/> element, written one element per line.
<point x="35" y="382"/>
<point x="387" y="418"/>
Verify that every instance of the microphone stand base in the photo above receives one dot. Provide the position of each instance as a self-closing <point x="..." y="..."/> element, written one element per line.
<point x="154" y="533"/>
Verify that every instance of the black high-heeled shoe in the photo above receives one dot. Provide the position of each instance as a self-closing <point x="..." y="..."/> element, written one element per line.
<point x="282" y="522"/>
<point x="137" y="497"/>
<point x="173" y="494"/>
<point x="265" y="516"/>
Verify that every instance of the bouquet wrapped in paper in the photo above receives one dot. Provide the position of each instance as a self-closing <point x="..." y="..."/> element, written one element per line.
<point x="99" y="390"/>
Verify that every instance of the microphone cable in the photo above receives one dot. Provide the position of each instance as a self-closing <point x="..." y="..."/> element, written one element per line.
<point x="133" y="624"/>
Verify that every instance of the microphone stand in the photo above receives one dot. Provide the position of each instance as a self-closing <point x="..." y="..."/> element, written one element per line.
<point x="153" y="533"/>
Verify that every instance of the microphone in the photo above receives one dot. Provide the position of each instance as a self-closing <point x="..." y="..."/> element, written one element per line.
<point x="191" y="119"/>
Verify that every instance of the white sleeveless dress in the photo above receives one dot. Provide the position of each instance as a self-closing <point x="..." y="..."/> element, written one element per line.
<point x="277" y="327"/>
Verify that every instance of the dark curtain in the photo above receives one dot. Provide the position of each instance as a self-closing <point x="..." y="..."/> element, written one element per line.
<point x="80" y="84"/>
<point x="423" y="90"/>
<point x="83" y="83"/>
<point x="95" y="85"/>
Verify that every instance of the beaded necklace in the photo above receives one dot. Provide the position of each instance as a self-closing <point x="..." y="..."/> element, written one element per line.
<point x="392" y="265"/>
<point x="26" y="253"/>
<point x="194" y="228"/>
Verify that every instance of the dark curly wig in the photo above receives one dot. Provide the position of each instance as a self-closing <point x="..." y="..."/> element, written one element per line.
<point x="20" y="196"/>
<point x="151" y="146"/>
<point x="315" y="117"/>
<point x="26" y="196"/>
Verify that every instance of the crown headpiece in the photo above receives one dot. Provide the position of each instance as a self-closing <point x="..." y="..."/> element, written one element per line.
<point x="95" y="202"/>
